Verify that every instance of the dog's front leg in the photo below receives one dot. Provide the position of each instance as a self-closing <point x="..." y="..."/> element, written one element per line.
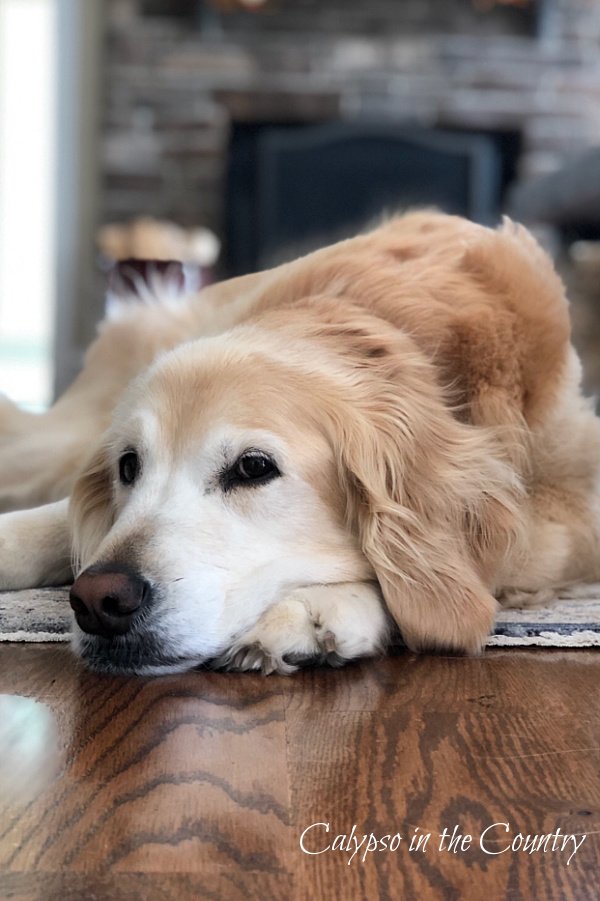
<point x="35" y="547"/>
<point x="320" y="623"/>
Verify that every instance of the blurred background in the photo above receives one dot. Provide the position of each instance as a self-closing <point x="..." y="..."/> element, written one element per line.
<point x="235" y="133"/>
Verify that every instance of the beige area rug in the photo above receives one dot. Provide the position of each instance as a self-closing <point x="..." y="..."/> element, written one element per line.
<point x="44" y="615"/>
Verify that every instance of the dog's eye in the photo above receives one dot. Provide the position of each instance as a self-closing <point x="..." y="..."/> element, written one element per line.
<point x="129" y="467"/>
<point x="252" y="468"/>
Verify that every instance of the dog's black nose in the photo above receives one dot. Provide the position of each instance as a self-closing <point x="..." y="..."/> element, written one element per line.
<point x="107" y="599"/>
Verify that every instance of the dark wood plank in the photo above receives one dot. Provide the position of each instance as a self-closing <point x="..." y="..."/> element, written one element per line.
<point x="173" y="775"/>
<point x="213" y="884"/>
<point x="201" y="785"/>
<point x="428" y="743"/>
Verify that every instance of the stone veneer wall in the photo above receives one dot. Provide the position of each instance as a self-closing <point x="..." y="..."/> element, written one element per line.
<point x="171" y="90"/>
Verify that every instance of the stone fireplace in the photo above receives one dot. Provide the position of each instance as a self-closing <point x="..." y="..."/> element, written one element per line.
<point x="183" y="80"/>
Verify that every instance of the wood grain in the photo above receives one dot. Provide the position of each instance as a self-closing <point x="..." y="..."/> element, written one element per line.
<point x="200" y="785"/>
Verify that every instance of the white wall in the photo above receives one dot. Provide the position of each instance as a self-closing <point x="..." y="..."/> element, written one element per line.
<point x="27" y="198"/>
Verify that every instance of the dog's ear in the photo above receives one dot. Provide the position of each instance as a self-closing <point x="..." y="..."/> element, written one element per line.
<point x="431" y="499"/>
<point x="91" y="508"/>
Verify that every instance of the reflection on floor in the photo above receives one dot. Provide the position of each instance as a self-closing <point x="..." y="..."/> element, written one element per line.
<point x="204" y="784"/>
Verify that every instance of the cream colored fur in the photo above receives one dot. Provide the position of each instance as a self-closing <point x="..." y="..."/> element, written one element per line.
<point x="416" y="386"/>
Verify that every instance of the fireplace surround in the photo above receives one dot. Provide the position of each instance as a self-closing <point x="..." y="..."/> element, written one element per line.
<point x="180" y="88"/>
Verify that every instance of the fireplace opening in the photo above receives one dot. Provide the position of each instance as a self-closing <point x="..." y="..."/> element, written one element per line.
<point x="291" y="187"/>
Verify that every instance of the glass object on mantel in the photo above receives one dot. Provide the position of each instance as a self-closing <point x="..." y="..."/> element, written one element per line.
<point x="146" y="258"/>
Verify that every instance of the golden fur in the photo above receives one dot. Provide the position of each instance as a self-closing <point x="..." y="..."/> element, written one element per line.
<point x="425" y="372"/>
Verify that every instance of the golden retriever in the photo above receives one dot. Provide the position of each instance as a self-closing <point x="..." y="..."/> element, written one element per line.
<point x="387" y="433"/>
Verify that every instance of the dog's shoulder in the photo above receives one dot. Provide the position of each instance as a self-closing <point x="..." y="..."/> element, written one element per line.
<point x="485" y="304"/>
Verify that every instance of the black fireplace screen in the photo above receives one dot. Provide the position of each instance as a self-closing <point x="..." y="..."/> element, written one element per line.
<point x="292" y="188"/>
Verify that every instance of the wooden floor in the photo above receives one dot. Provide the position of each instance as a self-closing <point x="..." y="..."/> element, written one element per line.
<point x="200" y="786"/>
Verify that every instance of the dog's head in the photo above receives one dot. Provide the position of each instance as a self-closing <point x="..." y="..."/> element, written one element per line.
<point x="241" y="467"/>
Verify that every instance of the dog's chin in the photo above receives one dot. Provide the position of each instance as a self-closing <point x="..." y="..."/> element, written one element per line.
<point x="141" y="655"/>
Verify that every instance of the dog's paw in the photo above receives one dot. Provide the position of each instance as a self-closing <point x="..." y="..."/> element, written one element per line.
<point x="283" y="637"/>
<point x="35" y="548"/>
<point x="515" y="597"/>
<point x="326" y="624"/>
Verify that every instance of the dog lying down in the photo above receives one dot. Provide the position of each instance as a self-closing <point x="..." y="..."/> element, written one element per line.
<point x="386" y="434"/>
